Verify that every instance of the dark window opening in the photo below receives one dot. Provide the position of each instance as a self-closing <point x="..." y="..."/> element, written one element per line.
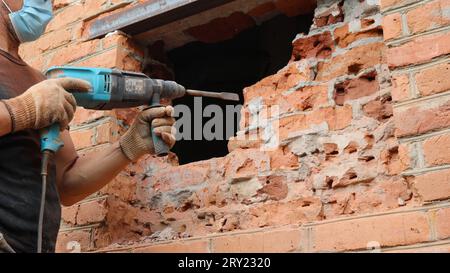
<point x="230" y="66"/>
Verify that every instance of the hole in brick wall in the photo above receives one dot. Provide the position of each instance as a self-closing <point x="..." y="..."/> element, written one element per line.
<point x="354" y="68"/>
<point x="367" y="22"/>
<point x="351" y="89"/>
<point x="370" y="140"/>
<point x="366" y="158"/>
<point x="349" y="175"/>
<point x="330" y="181"/>
<point x="340" y="89"/>
<point x="230" y="66"/>
<point x="352" y="147"/>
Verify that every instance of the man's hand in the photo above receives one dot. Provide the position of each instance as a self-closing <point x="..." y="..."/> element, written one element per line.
<point x="137" y="141"/>
<point x="45" y="103"/>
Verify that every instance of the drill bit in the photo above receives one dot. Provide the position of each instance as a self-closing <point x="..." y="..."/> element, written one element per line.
<point x="222" y="95"/>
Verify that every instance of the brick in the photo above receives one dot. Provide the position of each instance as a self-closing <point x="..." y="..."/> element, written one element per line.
<point x="344" y="37"/>
<point x="437" y="150"/>
<point x="107" y="59"/>
<point x="300" y="100"/>
<point x="400" y="87"/>
<point x="274" y="187"/>
<point x="45" y="43"/>
<point x="277" y="241"/>
<point x="107" y="132"/>
<point x="287" y="78"/>
<point x="443" y="223"/>
<point x="126" y="60"/>
<point x="351" y="62"/>
<point x="74" y="52"/>
<point x="377" y="196"/>
<point x="83" y="138"/>
<point x="337" y="118"/>
<point x="433" y="80"/>
<point x="39" y="63"/>
<point x="428" y="16"/>
<point x="419" y="50"/>
<point x="433" y="186"/>
<point x="332" y="15"/>
<point x="283" y="159"/>
<point x="245" y="163"/>
<point x="74" y="241"/>
<point x="251" y="140"/>
<point x="379" y="109"/>
<point x="355" y="234"/>
<point x="282" y="241"/>
<point x="362" y="86"/>
<point x="421" y="119"/>
<point x="115" y="57"/>
<point x="180" y="177"/>
<point x="302" y="210"/>
<point x="68" y="15"/>
<point x="69" y="214"/>
<point x="92" y="212"/>
<point x="124" y="42"/>
<point x="191" y="246"/>
<point x="315" y="46"/>
<point x="75" y="12"/>
<point x="123" y="186"/>
<point x="396" y="159"/>
<point x="392" y="26"/>
<point x="250" y="243"/>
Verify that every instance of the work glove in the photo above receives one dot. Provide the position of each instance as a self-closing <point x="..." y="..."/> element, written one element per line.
<point x="45" y="103"/>
<point x="137" y="141"/>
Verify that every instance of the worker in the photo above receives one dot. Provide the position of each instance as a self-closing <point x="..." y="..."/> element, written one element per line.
<point x="29" y="102"/>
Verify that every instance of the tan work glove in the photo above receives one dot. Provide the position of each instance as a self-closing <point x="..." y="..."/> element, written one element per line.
<point x="137" y="141"/>
<point x="45" y="103"/>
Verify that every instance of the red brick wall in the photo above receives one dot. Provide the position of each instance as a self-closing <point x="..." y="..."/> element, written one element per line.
<point x="364" y="157"/>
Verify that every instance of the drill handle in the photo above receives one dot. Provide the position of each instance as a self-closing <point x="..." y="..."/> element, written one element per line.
<point x="161" y="148"/>
<point x="51" y="138"/>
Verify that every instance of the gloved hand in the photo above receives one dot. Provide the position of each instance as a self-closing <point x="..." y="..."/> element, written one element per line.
<point x="45" y="103"/>
<point x="137" y="141"/>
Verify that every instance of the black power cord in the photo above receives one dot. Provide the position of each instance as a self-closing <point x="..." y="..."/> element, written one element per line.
<point x="46" y="156"/>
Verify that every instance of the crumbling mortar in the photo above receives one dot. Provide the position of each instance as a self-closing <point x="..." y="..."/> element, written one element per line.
<point x="91" y="124"/>
<point x="321" y="30"/>
<point x="431" y="218"/>
<point x="418" y="156"/>
<point x="405" y="27"/>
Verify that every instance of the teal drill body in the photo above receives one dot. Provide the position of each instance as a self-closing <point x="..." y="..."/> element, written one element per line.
<point x="112" y="89"/>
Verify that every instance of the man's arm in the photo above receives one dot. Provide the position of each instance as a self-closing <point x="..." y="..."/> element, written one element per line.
<point x="5" y="120"/>
<point x="79" y="177"/>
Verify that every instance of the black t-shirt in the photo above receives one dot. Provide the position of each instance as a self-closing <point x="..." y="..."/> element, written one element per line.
<point x="20" y="179"/>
